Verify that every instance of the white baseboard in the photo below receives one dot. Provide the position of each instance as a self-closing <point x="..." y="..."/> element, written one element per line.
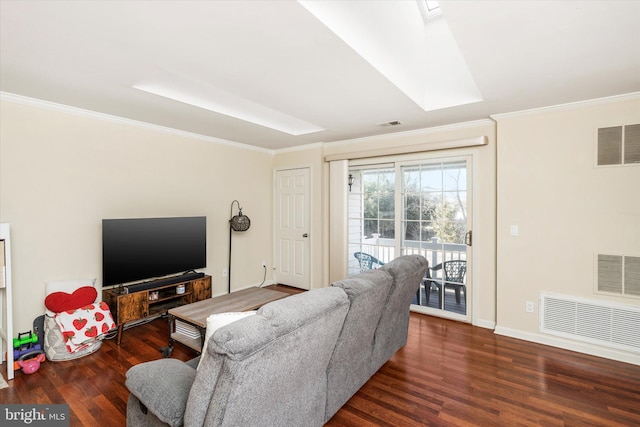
<point x="593" y="350"/>
<point x="487" y="324"/>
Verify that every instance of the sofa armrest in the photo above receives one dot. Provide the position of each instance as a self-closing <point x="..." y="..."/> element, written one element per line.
<point x="163" y="387"/>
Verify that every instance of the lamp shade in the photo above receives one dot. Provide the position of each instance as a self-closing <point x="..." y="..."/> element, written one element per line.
<point x="240" y="222"/>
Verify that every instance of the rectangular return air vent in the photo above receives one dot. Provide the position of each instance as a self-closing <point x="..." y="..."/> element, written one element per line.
<point x="618" y="274"/>
<point x="610" y="325"/>
<point x="619" y="145"/>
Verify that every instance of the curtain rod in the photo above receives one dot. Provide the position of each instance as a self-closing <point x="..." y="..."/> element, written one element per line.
<point x="408" y="149"/>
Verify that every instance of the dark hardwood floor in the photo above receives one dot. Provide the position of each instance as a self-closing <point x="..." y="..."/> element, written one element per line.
<point x="449" y="374"/>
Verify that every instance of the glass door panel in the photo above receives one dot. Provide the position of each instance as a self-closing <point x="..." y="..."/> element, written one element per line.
<point x="427" y="203"/>
<point x="434" y="224"/>
<point x="371" y="218"/>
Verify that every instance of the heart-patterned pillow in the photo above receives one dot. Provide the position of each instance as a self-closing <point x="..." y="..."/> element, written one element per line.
<point x="62" y="301"/>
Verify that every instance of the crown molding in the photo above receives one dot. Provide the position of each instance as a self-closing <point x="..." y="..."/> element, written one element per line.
<point x="633" y="96"/>
<point x="39" y="103"/>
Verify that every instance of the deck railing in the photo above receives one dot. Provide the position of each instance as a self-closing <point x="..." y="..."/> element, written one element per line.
<point x="384" y="249"/>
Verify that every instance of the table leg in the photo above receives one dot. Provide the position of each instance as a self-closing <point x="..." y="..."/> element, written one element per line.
<point x="202" y="335"/>
<point x="166" y="351"/>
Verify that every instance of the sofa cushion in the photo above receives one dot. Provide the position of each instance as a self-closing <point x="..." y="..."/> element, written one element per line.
<point x="391" y="335"/>
<point x="351" y="364"/>
<point x="163" y="387"/>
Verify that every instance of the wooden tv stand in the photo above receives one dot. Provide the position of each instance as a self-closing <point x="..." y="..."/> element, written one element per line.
<point x="130" y="307"/>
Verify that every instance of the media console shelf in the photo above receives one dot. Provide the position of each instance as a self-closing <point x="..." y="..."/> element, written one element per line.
<point x="130" y="307"/>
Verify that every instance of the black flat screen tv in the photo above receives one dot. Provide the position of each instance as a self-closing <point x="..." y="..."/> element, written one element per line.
<point x="139" y="249"/>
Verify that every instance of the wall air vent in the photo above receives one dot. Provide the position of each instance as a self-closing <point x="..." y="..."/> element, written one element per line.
<point x="609" y="325"/>
<point x="619" y="145"/>
<point x="391" y="123"/>
<point x="632" y="144"/>
<point x="618" y="274"/>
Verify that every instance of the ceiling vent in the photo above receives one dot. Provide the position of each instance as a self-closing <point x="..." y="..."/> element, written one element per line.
<point x="391" y="123"/>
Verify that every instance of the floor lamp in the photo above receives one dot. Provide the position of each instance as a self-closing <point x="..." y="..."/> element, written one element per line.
<point x="238" y="222"/>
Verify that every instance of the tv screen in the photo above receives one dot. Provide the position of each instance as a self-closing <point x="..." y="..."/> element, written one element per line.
<point x="146" y="248"/>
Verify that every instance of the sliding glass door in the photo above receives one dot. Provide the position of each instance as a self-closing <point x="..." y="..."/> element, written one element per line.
<point x="416" y="207"/>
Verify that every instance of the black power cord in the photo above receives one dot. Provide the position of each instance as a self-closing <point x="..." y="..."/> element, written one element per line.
<point x="263" y="277"/>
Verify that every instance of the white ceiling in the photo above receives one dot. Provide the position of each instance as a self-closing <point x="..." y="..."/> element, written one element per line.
<point x="336" y="69"/>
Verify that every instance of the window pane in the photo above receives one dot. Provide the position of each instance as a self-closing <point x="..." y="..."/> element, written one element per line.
<point x="431" y="202"/>
<point x="427" y="231"/>
<point x="370" y="227"/>
<point x="387" y="229"/>
<point x="411" y="179"/>
<point x="412" y="207"/>
<point x="387" y="181"/>
<point x="450" y="231"/>
<point x="456" y="202"/>
<point x="370" y="205"/>
<point x="455" y="176"/>
<point x="412" y="230"/>
<point x="370" y="179"/>
<point x="386" y="206"/>
<point x="431" y="178"/>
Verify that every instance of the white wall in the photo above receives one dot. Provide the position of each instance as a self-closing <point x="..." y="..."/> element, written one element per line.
<point x="62" y="173"/>
<point x="567" y="210"/>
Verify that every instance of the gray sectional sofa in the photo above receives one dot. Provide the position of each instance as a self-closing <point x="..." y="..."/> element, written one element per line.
<point x="294" y="363"/>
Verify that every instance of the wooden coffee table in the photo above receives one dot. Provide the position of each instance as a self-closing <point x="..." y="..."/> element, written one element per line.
<point x="196" y="314"/>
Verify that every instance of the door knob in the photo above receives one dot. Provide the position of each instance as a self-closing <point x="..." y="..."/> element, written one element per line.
<point x="305" y="235"/>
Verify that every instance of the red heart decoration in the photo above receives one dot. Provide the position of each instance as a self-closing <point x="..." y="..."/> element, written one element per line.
<point x="62" y="301"/>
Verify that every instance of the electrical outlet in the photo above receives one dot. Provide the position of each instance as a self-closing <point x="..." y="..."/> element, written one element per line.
<point x="224" y="272"/>
<point x="264" y="264"/>
<point x="529" y="306"/>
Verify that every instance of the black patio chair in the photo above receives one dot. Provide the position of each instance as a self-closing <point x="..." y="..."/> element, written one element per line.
<point x="453" y="273"/>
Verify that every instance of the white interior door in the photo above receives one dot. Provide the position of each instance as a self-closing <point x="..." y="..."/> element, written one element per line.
<point x="292" y="228"/>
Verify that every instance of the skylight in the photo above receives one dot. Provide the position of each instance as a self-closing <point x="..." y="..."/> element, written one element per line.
<point x="430" y="9"/>
<point x="422" y="60"/>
